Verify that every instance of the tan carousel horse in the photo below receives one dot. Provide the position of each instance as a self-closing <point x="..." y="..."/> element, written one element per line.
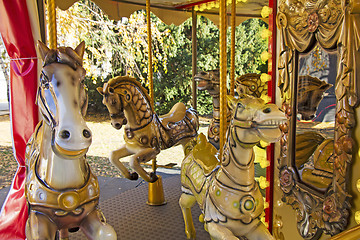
<point x="227" y="192"/>
<point x="61" y="191"/>
<point x="248" y="84"/>
<point x="146" y="133"/>
<point x="210" y="81"/>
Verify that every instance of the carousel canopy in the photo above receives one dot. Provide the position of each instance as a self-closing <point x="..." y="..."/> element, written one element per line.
<point x="174" y="11"/>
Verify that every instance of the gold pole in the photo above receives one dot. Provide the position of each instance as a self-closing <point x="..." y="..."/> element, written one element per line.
<point x="155" y="192"/>
<point x="52" y="23"/>
<point x="232" y="53"/>
<point x="194" y="57"/>
<point x="150" y="68"/>
<point x="223" y="62"/>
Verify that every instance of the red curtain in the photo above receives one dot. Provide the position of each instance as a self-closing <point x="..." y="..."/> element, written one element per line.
<point x="15" y="29"/>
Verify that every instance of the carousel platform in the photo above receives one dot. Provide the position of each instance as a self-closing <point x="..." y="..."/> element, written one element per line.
<point x="123" y="203"/>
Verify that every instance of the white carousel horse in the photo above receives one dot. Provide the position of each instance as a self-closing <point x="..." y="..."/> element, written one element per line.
<point x="227" y="192"/>
<point x="61" y="191"/>
<point x="146" y="133"/>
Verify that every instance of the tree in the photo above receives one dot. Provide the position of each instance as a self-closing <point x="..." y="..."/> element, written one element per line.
<point x="112" y="47"/>
<point x="120" y="47"/>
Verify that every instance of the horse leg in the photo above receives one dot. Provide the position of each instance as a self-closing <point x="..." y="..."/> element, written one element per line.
<point x="260" y="233"/>
<point x="219" y="232"/>
<point x="115" y="159"/>
<point x="95" y="229"/>
<point x="144" y="155"/>
<point x="39" y="226"/>
<point x="186" y="202"/>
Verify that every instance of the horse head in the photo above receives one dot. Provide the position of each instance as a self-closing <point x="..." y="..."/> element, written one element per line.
<point x="311" y="91"/>
<point x="62" y="99"/>
<point x="114" y="104"/>
<point x="209" y="81"/>
<point x="251" y="84"/>
<point x="253" y="120"/>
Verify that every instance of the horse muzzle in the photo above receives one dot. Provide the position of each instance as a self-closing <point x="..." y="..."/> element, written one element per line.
<point x="118" y="123"/>
<point x="71" y="145"/>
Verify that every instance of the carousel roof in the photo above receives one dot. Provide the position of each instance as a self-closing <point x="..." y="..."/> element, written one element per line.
<point x="175" y="11"/>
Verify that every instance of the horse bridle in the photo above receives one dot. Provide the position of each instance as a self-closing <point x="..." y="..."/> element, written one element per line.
<point x="45" y="84"/>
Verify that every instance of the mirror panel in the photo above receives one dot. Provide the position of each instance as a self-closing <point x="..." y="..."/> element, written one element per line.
<point x="322" y="203"/>
<point x="315" y="118"/>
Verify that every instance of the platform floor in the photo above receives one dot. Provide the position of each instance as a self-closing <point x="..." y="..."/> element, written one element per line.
<point x="133" y="219"/>
<point x="123" y="203"/>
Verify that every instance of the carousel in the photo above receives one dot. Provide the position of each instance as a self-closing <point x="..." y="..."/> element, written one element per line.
<point x="301" y="116"/>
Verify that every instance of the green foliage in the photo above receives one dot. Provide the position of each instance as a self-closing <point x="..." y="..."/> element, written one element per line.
<point x="175" y="85"/>
<point x="120" y="47"/>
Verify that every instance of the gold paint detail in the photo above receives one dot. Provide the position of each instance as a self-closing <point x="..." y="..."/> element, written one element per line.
<point x="70" y="153"/>
<point x="246" y="214"/>
<point x="38" y="194"/>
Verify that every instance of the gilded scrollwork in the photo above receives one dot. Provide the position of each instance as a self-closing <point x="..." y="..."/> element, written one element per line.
<point x="332" y="24"/>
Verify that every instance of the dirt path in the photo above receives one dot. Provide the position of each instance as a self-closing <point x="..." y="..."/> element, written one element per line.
<point x="105" y="140"/>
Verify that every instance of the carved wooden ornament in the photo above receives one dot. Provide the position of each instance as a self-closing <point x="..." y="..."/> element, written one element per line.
<point x="333" y="25"/>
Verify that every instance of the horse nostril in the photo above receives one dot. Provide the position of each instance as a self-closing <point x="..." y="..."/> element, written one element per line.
<point x="125" y="121"/>
<point x="117" y="125"/>
<point x="65" y="134"/>
<point x="86" y="133"/>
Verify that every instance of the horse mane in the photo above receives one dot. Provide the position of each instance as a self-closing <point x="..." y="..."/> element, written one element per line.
<point x="65" y="55"/>
<point x="119" y="80"/>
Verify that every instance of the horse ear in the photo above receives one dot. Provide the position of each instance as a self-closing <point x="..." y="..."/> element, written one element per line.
<point x="231" y="102"/>
<point x="80" y="49"/>
<point x="43" y="49"/>
<point x="100" y="90"/>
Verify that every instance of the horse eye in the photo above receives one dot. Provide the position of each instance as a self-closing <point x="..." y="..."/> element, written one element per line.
<point x="267" y="110"/>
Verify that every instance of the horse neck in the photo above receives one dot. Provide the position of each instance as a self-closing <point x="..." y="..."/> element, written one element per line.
<point x="237" y="165"/>
<point x="59" y="173"/>
<point x="138" y="111"/>
<point x="216" y="105"/>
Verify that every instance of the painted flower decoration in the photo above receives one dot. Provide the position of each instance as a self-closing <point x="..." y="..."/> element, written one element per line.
<point x="330" y="212"/>
<point x="286" y="180"/>
<point x="329" y="205"/>
<point x="313" y="22"/>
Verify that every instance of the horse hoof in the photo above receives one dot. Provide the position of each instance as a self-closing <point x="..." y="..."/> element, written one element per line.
<point x="134" y="176"/>
<point x="153" y="177"/>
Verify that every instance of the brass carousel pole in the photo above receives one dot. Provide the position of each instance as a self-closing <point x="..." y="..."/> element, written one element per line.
<point x="223" y="62"/>
<point x="51" y="23"/>
<point x="194" y="57"/>
<point x="51" y="13"/>
<point x="156" y="191"/>
<point x="232" y="51"/>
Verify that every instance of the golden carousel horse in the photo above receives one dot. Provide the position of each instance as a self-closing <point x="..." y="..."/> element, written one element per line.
<point x="227" y="192"/>
<point x="61" y="191"/>
<point x="251" y="84"/>
<point x="146" y="133"/>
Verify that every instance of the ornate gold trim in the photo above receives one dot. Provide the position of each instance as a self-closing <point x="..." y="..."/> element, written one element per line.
<point x="332" y="24"/>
